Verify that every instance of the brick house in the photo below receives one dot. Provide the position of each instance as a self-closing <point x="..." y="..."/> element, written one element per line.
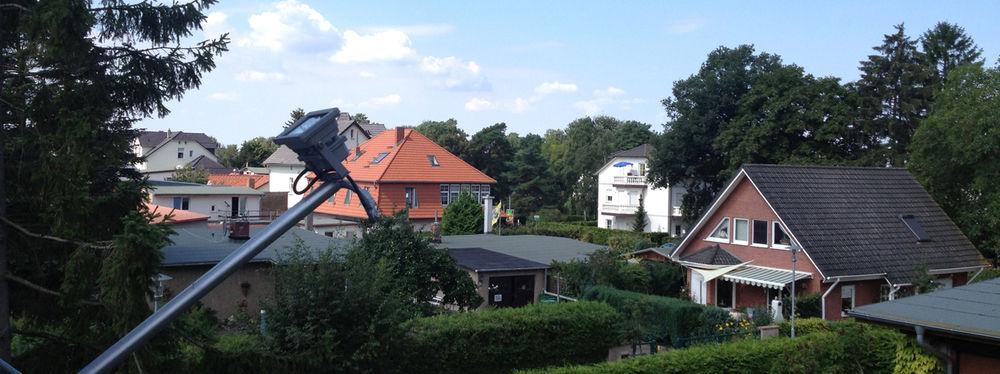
<point x="864" y="235"/>
<point x="401" y="169"/>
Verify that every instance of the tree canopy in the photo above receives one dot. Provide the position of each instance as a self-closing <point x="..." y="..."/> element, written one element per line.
<point x="462" y="216"/>
<point x="489" y="150"/>
<point x="446" y="134"/>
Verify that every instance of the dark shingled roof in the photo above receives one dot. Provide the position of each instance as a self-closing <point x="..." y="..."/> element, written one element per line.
<point x="484" y="260"/>
<point x="713" y="255"/>
<point x="971" y="310"/>
<point x="371" y="128"/>
<point x="153" y="139"/>
<point x="283" y="156"/>
<point x="848" y="220"/>
<point x="204" y="163"/>
<point x="201" y="244"/>
<point x="640" y="151"/>
<point x="538" y="248"/>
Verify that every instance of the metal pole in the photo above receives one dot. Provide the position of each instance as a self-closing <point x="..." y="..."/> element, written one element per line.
<point x="108" y="360"/>
<point x="795" y="249"/>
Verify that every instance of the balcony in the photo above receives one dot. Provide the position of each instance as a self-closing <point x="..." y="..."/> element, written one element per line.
<point x="676" y="211"/>
<point x="630" y="180"/>
<point x="626" y="209"/>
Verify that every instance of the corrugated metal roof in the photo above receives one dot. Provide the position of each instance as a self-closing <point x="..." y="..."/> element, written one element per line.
<point x="484" y="260"/>
<point x="200" y="244"/>
<point x="537" y="248"/>
<point x="764" y="277"/>
<point x="971" y="310"/>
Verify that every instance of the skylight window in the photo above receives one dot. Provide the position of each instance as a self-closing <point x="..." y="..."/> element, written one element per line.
<point x="721" y="232"/>
<point x="434" y="160"/>
<point x="379" y="157"/>
<point x="913" y="224"/>
<point x="357" y="155"/>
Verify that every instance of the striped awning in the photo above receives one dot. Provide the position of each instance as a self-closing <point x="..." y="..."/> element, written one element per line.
<point x="764" y="277"/>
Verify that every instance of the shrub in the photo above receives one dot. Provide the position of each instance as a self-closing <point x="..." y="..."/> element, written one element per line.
<point x="664" y="319"/>
<point x="500" y="340"/>
<point x="462" y="216"/>
<point x="860" y="350"/>
<point x="591" y="234"/>
<point x="806" y="306"/>
<point x="665" y="278"/>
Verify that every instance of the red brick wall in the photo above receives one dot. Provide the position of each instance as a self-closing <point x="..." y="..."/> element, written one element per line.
<point x="973" y="363"/>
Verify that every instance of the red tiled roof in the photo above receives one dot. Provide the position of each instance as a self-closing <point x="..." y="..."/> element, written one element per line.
<point x="408" y="161"/>
<point x="177" y="216"/>
<point x="241" y="180"/>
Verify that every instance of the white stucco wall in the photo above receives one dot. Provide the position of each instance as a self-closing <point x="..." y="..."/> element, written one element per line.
<point x="281" y="179"/>
<point x="215" y="206"/>
<point x="659" y="203"/>
<point x="165" y="158"/>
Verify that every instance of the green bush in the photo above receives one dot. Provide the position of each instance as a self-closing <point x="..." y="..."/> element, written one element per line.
<point x="806" y="306"/>
<point x="665" y="319"/>
<point x="462" y="216"/>
<point x="591" y="234"/>
<point x="501" y="340"/>
<point x="859" y="350"/>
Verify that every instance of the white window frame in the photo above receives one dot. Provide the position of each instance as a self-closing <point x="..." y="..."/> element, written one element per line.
<point x="767" y="235"/>
<point x="774" y="243"/>
<point x="733" y="234"/>
<point x="854" y="298"/>
<point x="728" y="223"/>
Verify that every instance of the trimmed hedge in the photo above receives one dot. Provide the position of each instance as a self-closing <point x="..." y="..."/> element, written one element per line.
<point x="665" y="319"/>
<point x="590" y="234"/>
<point x="856" y="349"/>
<point x="501" y="340"/>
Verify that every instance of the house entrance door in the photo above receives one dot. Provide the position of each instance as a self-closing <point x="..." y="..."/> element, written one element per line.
<point x="697" y="287"/>
<point x="235" y="207"/>
<point x="513" y="291"/>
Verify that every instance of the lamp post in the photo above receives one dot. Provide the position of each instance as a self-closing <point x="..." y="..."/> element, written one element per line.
<point x="795" y="249"/>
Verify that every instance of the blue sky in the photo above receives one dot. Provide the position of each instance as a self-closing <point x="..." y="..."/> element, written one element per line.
<point x="533" y="65"/>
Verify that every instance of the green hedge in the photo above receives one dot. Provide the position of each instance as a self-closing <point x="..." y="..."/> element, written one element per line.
<point x="806" y="306"/>
<point x="665" y="319"/>
<point x="854" y="350"/>
<point x="596" y="235"/>
<point x="501" y="340"/>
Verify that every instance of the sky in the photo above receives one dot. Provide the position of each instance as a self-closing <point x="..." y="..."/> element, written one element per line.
<point x="533" y="65"/>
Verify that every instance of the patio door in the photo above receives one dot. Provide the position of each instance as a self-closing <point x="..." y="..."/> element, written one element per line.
<point x="697" y="287"/>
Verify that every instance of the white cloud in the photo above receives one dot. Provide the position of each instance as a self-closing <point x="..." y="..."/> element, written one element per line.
<point x="382" y="101"/>
<point x="551" y="87"/>
<point x="590" y="107"/>
<point x="367" y="75"/>
<point x="215" y="19"/>
<point x="290" y="24"/>
<point x="259" y="76"/>
<point x="222" y="96"/>
<point x="455" y="73"/>
<point x="477" y="104"/>
<point x="427" y="29"/>
<point x="389" y="45"/>
<point x="520" y="105"/>
<point x="686" y="26"/>
<point x="611" y="91"/>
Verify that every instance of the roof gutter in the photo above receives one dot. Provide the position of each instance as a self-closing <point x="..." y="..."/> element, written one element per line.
<point x="956" y="270"/>
<point x="851" y="278"/>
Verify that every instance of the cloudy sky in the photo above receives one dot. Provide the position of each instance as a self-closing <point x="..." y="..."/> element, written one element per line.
<point x="533" y="65"/>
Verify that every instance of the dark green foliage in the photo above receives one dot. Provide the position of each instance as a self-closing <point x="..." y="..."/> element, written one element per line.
<point x="295" y="115"/>
<point x="947" y="46"/>
<point x="446" y="134"/>
<point x="665" y="278"/>
<point x="639" y="225"/>
<point x="806" y="306"/>
<point x="76" y="76"/>
<point x="190" y="174"/>
<point x="530" y="176"/>
<point x="895" y="89"/>
<point x="664" y="319"/>
<point x="489" y="150"/>
<point x="501" y="340"/>
<point x="254" y="151"/>
<point x="847" y="349"/>
<point x="955" y="154"/>
<point x="229" y="156"/>
<point x="591" y="234"/>
<point x="602" y="267"/>
<point x="462" y="216"/>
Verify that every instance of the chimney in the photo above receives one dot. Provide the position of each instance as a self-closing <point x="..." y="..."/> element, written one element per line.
<point x="239" y="230"/>
<point x="487" y="214"/>
<point x="250" y="182"/>
<point x="435" y="229"/>
<point x="400" y="132"/>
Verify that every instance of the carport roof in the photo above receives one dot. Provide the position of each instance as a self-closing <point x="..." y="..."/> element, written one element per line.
<point x="484" y="260"/>
<point x="538" y="248"/>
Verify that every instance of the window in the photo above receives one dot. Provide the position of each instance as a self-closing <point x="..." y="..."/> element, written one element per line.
<point x="760" y="233"/>
<point x="779" y="239"/>
<point x="434" y="160"/>
<point x="846" y="299"/>
<point x="913" y="224"/>
<point x="677" y="230"/>
<point x="609" y="197"/>
<point x="484" y="190"/>
<point x="182" y="203"/>
<point x="607" y="223"/>
<point x="213" y="208"/>
<point x="379" y="157"/>
<point x="333" y="199"/>
<point x="741" y="231"/>
<point x="328" y="233"/>
<point x="444" y="195"/>
<point x="724" y="293"/>
<point x="347" y="197"/>
<point x="180" y="152"/>
<point x="721" y="232"/>
<point x="454" y="192"/>
<point x="352" y="133"/>
<point x="190" y="153"/>
<point x="642" y="169"/>
<point x="411" y="198"/>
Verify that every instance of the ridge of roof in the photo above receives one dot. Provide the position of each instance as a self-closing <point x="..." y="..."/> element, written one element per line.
<point x="411" y="131"/>
<point x="836" y="167"/>
<point x="641" y="150"/>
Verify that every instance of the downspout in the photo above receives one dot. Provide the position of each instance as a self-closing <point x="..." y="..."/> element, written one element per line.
<point x="942" y="353"/>
<point x="823" y="298"/>
<point x="975" y="275"/>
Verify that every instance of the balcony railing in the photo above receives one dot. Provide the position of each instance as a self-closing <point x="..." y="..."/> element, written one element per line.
<point x="619" y="208"/>
<point x="632" y="180"/>
<point x="676" y="211"/>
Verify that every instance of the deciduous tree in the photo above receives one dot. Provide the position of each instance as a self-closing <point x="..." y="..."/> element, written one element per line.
<point x="446" y="134"/>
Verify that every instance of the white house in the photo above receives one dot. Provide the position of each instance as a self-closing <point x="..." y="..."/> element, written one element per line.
<point x="217" y="202"/>
<point x="166" y="151"/>
<point x="284" y="164"/>
<point x="621" y="182"/>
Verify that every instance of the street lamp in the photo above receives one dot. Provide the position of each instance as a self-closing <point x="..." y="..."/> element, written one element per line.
<point x="795" y="249"/>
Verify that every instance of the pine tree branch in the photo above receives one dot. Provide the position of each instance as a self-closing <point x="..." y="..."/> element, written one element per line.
<point x="29" y="284"/>
<point x="53" y="238"/>
<point x="143" y="4"/>
<point x="56" y="338"/>
<point x="18" y="6"/>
